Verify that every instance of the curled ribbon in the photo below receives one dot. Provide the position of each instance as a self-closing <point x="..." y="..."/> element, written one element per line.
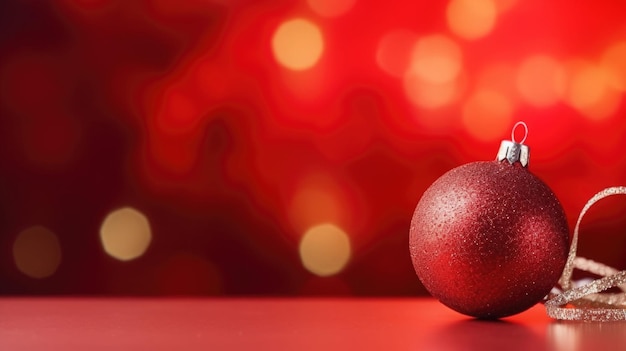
<point x="587" y="302"/>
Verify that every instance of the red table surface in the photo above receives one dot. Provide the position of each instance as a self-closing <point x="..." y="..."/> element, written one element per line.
<point x="283" y="324"/>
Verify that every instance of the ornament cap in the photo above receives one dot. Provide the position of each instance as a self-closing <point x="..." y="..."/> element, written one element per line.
<point x="512" y="151"/>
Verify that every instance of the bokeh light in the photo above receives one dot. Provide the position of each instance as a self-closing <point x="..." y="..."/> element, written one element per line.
<point x="436" y="59"/>
<point x="393" y="54"/>
<point x="432" y="78"/>
<point x="505" y="5"/>
<point x="125" y="234"/>
<point x="614" y="61"/>
<point x="471" y="19"/>
<point x="541" y="80"/>
<point x="331" y="8"/>
<point x="429" y="95"/>
<point x="325" y="249"/>
<point x="298" y="44"/>
<point x="37" y="252"/>
<point x="487" y="115"/>
<point x="234" y="129"/>
<point x="590" y="90"/>
<point x="317" y="199"/>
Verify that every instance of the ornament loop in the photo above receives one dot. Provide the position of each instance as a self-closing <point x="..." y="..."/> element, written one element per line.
<point x="520" y="123"/>
<point x="513" y="151"/>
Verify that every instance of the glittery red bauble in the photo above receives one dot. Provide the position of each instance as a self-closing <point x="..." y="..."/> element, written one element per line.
<point x="489" y="239"/>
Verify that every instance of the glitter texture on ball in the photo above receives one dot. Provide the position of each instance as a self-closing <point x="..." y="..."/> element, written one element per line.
<point x="489" y="239"/>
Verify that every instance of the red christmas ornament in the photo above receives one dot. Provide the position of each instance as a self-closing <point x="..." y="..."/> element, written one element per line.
<point x="489" y="239"/>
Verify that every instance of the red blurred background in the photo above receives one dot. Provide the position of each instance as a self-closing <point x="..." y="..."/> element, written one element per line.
<point x="279" y="147"/>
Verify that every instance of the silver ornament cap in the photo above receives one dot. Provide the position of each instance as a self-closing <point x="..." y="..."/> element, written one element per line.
<point x="513" y="151"/>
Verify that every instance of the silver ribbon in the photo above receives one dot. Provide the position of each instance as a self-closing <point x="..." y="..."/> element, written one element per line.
<point x="588" y="302"/>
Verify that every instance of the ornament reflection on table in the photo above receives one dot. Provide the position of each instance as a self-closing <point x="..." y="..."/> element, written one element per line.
<point x="489" y="239"/>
